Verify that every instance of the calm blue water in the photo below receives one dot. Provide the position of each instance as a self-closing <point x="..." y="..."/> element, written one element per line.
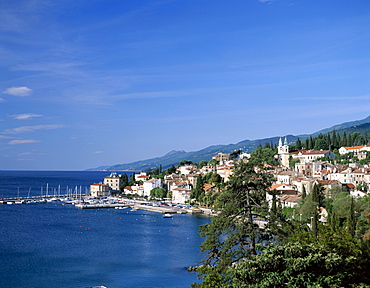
<point x="55" y="245"/>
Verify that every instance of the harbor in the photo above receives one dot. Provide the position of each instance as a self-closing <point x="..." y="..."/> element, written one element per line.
<point x="83" y="201"/>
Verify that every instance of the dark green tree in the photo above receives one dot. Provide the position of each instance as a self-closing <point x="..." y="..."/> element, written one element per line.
<point x="132" y="178"/>
<point x="304" y="193"/>
<point x="202" y="164"/>
<point x="170" y="170"/>
<point x="124" y="181"/>
<point x="293" y="265"/>
<point x="351" y="222"/>
<point x="158" y="193"/>
<point x="231" y="235"/>
<point x="235" y="154"/>
<point x="321" y="144"/>
<point x="298" y="144"/>
<point x="198" y="192"/>
<point x="317" y="194"/>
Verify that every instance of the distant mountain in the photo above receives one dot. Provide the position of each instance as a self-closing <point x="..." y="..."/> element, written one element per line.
<point x="173" y="157"/>
<point x="339" y="127"/>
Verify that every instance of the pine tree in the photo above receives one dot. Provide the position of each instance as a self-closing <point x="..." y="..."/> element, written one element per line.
<point x="351" y="223"/>
<point x="298" y="144"/>
<point x="231" y="235"/>
<point x="344" y="139"/>
<point x="314" y="220"/>
<point x="304" y="193"/>
<point x="334" y="140"/>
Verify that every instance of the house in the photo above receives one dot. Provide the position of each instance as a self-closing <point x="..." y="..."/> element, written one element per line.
<point x="113" y="181"/>
<point x="207" y="168"/>
<point x="328" y="184"/>
<point x="358" y="193"/>
<point x="285" y="177"/>
<point x="286" y="194"/>
<point x="354" y="149"/>
<point x="301" y="182"/>
<point x="311" y="155"/>
<point x="99" y="190"/>
<point x="134" y="189"/>
<point x="187" y="169"/>
<point x="192" y="179"/>
<point x="180" y="192"/>
<point x="141" y="177"/>
<point x="221" y="157"/>
<point x="225" y="171"/>
<point x="150" y="184"/>
<point x="290" y="200"/>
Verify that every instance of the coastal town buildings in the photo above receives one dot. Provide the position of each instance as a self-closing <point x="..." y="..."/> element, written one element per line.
<point x="99" y="190"/>
<point x="291" y="178"/>
<point x="113" y="181"/>
<point x="150" y="184"/>
<point x="221" y="157"/>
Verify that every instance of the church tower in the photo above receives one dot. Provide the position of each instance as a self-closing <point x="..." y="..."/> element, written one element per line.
<point x="283" y="151"/>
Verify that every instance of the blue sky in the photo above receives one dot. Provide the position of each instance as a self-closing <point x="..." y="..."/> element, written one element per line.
<point x="101" y="82"/>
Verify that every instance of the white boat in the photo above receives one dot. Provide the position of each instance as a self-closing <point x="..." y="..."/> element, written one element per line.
<point x="167" y="215"/>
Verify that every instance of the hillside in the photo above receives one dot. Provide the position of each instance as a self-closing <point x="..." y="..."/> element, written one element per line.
<point x="174" y="157"/>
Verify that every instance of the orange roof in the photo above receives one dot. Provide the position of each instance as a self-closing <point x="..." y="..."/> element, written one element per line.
<point x="276" y="186"/>
<point x="354" y="147"/>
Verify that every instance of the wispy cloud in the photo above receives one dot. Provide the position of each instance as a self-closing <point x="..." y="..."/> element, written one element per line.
<point x="15" y="142"/>
<point x="2" y="100"/>
<point x="25" y="116"/>
<point x="18" y="91"/>
<point x="98" y="152"/>
<point x="30" y="153"/>
<point x="4" y="137"/>
<point x="24" y="129"/>
<point x="335" y="98"/>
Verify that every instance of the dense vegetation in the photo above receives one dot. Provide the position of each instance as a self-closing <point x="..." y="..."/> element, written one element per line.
<point x="298" y="247"/>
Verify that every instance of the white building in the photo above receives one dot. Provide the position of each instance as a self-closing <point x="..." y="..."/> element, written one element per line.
<point x="151" y="184"/>
<point x="99" y="190"/>
<point x="311" y="155"/>
<point x="187" y="169"/>
<point x="141" y="177"/>
<point x="180" y="192"/>
<point x="113" y="181"/>
<point x="283" y="152"/>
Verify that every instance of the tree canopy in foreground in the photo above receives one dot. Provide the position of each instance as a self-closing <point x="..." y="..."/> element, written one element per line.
<point x="309" y="253"/>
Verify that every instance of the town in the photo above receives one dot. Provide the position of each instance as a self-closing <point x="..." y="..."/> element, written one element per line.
<point x="309" y="168"/>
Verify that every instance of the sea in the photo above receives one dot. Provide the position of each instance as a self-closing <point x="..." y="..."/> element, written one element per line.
<point x="59" y="245"/>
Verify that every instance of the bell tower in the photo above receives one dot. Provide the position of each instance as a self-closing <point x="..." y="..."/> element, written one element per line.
<point x="283" y="151"/>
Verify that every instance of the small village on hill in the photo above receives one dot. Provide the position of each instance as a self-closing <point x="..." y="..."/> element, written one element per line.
<point x="298" y="171"/>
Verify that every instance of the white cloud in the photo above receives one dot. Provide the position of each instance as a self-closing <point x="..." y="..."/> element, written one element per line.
<point x="18" y="91"/>
<point x="2" y="100"/>
<point x="98" y="152"/>
<point x="25" y="116"/>
<point x="4" y="137"/>
<point x="30" y="153"/>
<point x="15" y="142"/>
<point x="23" y="129"/>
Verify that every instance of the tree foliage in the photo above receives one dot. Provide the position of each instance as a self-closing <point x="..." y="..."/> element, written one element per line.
<point x="158" y="193"/>
<point x="293" y="265"/>
<point x="231" y="235"/>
